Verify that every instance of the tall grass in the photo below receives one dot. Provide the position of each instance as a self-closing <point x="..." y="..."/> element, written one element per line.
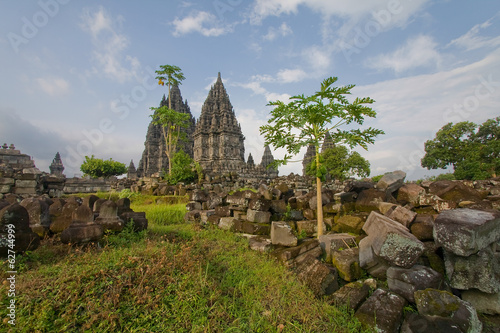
<point x="175" y="277"/>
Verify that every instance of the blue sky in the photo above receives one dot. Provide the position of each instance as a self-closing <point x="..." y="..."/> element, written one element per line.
<point x="77" y="76"/>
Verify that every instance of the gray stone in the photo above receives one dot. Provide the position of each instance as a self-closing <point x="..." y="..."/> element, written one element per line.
<point x="308" y="227"/>
<point x="480" y="271"/>
<point x="38" y="211"/>
<point x="246" y="227"/>
<point x="401" y="215"/>
<point x="347" y="264"/>
<point x="368" y="260"/>
<point x="405" y="281"/>
<point x="282" y="234"/>
<point x="320" y="278"/>
<point x="258" y="216"/>
<point x="62" y="220"/>
<point x="350" y="295"/>
<point x="137" y="218"/>
<point x="350" y="223"/>
<point x="392" y="181"/>
<point x="260" y="244"/>
<point x="368" y="200"/>
<point x="392" y="242"/>
<point x="108" y="217"/>
<point x="383" y="310"/>
<point x="334" y="242"/>
<point x="423" y="227"/>
<point x="226" y="223"/>
<point x="409" y="194"/>
<point x="260" y="204"/>
<point x="288" y="255"/>
<point x="437" y="303"/>
<point x="483" y="302"/>
<point x="466" y="231"/>
<point x="416" y="323"/>
<point x="16" y="218"/>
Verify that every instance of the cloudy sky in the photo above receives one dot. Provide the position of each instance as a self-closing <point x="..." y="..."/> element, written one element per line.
<point x="78" y="76"/>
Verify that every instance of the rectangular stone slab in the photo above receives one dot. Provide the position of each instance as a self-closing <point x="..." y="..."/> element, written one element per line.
<point x="466" y="231"/>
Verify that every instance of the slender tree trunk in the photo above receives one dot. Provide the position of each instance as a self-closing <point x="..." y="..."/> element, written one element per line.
<point x="319" y="198"/>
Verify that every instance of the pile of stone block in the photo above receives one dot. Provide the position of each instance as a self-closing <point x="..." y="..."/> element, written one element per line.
<point x="430" y="243"/>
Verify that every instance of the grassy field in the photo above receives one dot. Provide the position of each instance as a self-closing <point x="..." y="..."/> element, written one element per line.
<point x="174" y="277"/>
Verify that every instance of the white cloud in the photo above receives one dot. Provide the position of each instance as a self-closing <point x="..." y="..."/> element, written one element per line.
<point x="204" y="23"/>
<point x="273" y="33"/>
<point x="109" y="45"/>
<point x="419" y="51"/>
<point x="473" y="40"/>
<point x="53" y="86"/>
<point x="291" y="75"/>
<point x="398" y="11"/>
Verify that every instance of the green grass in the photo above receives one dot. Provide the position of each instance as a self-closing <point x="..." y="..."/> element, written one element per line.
<point x="174" y="277"/>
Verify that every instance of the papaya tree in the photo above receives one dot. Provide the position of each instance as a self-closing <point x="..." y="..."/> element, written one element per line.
<point x="306" y="120"/>
<point x="170" y="120"/>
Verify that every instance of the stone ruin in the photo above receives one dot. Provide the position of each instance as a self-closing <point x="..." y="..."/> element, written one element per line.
<point x="215" y="140"/>
<point x="74" y="220"/>
<point x="435" y="246"/>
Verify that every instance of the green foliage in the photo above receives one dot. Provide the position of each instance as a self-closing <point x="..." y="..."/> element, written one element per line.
<point x="127" y="193"/>
<point x="376" y="178"/>
<point x="472" y="150"/>
<point x="96" y="167"/>
<point x="171" y="74"/>
<point x="314" y="116"/>
<point x="340" y="164"/>
<point x="182" y="169"/>
<point x="199" y="172"/>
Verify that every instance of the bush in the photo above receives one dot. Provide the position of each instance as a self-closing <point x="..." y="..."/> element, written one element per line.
<point x="96" y="167"/>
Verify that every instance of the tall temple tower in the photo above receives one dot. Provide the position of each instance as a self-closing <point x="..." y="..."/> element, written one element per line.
<point x="218" y="140"/>
<point x="154" y="159"/>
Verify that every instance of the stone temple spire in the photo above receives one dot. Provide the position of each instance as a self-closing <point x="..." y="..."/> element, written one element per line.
<point x="132" y="172"/>
<point x="57" y="167"/>
<point x="154" y="159"/>
<point x="267" y="158"/>
<point x="250" y="161"/>
<point x="310" y="153"/>
<point x="218" y="140"/>
<point x="327" y="143"/>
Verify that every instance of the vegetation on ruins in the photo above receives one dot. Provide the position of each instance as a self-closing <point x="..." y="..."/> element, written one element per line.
<point x="339" y="163"/>
<point x="182" y="169"/>
<point x="96" y="167"/>
<point x="307" y="119"/>
<point x="172" y="277"/>
<point x="171" y="121"/>
<point x="472" y="150"/>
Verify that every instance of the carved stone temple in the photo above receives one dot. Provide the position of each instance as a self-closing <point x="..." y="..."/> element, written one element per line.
<point x="154" y="159"/>
<point x="215" y="140"/>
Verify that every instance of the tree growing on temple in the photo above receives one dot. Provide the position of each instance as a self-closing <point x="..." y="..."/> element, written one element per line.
<point x="307" y="119"/>
<point x="340" y="164"/>
<point x="170" y="120"/>
<point x="96" y="167"/>
<point x="183" y="169"/>
<point x="473" y="151"/>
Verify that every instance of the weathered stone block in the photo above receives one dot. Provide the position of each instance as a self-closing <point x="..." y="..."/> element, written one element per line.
<point x="24" y="239"/>
<point x="108" y="217"/>
<point x="38" y="211"/>
<point x="335" y="242"/>
<point x="25" y="190"/>
<point x="382" y="310"/>
<point x="237" y="200"/>
<point x="7" y="181"/>
<point x="409" y="193"/>
<point x="368" y="260"/>
<point x="401" y="215"/>
<point x="278" y="206"/>
<point x="5" y="189"/>
<point x="320" y="278"/>
<point x="193" y="205"/>
<point x="260" y="244"/>
<point x="480" y="270"/>
<point x="423" y="227"/>
<point x="437" y="303"/>
<point x="466" y="231"/>
<point x="226" y="223"/>
<point x="258" y="216"/>
<point x="308" y="227"/>
<point x="25" y="183"/>
<point x="392" y="242"/>
<point x="405" y="281"/>
<point x="392" y="181"/>
<point x="347" y="264"/>
<point x="281" y="234"/>
<point x="251" y="228"/>
<point x="350" y="223"/>
<point x="260" y="204"/>
<point x="137" y="218"/>
<point x="223" y="211"/>
<point x="368" y="200"/>
<point x="288" y="254"/>
<point x="62" y="220"/>
<point x="483" y="302"/>
<point x="350" y="295"/>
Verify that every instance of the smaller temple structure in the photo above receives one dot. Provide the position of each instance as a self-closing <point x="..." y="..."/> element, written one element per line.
<point x="57" y="167"/>
<point x="131" y="172"/>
